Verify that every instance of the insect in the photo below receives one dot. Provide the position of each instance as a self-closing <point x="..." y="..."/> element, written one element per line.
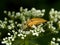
<point x="34" y="21"/>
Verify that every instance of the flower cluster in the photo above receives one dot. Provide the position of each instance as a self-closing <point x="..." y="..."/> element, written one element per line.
<point x="55" y="41"/>
<point x="54" y="15"/>
<point x="16" y="21"/>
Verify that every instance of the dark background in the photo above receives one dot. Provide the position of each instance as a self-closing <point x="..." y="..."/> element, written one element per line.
<point x="38" y="4"/>
<point x="14" y="5"/>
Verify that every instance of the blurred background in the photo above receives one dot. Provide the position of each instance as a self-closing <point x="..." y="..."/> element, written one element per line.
<point x="38" y="4"/>
<point x="14" y="5"/>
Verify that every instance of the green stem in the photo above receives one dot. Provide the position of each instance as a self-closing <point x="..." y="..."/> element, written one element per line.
<point x="22" y="42"/>
<point x="26" y="42"/>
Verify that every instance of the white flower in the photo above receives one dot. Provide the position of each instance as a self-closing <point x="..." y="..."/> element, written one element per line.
<point x="18" y="14"/>
<point x="15" y="22"/>
<point x="12" y="16"/>
<point x="33" y="9"/>
<point x="5" y="18"/>
<point x="37" y="34"/>
<point x="3" y="42"/>
<point x="56" y="12"/>
<point x="56" y="31"/>
<point x="23" y="32"/>
<point x="2" y="25"/>
<point x="55" y="19"/>
<point x="12" y="39"/>
<point x="25" y="9"/>
<point x="21" y="9"/>
<point x="22" y="37"/>
<point x="42" y="30"/>
<point x="43" y="10"/>
<point x="5" y="22"/>
<point x="13" y="31"/>
<point x="38" y="11"/>
<point x="53" y="39"/>
<point x="58" y="39"/>
<point x="9" y="27"/>
<point x="32" y="31"/>
<point x="4" y="39"/>
<point x="9" y="34"/>
<point x="18" y="25"/>
<point x="19" y="35"/>
<point x="12" y="25"/>
<point x="5" y="11"/>
<point x="0" y="21"/>
<point x="34" y="34"/>
<point x="9" y="37"/>
<point x="7" y="43"/>
<point x="42" y="14"/>
<point x="13" y="13"/>
<point x="10" y="21"/>
<point x="9" y="13"/>
<point x="56" y="43"/>
<point x="59" y="17"/>
<point x="52" y="43"/>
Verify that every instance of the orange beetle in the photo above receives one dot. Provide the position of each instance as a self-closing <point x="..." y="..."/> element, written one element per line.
<point x="34" y="21"/>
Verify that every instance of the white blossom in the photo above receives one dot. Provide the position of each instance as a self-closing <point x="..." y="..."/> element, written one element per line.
<point x="5" y="18"/>
<point x="53" y="39"/>
<point x="57" y="44"/>
<point x="18" y="14"/>
<point x="58" y="39"/>
<point x="10" y="21"/>
<point x="9" y="27"/>
<point x="52" y="43"/>
<point x="5" y="11"/>
<point x="43" y="10"/>
<point x="16" y="27"/>
<point x="9" y="13"/>
<point x="12" y="39"/>
<point x="22" y="37"/>
<point x="9" y="34"/>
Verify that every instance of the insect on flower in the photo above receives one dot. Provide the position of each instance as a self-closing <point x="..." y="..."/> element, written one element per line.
<point x="34" y="21"/>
